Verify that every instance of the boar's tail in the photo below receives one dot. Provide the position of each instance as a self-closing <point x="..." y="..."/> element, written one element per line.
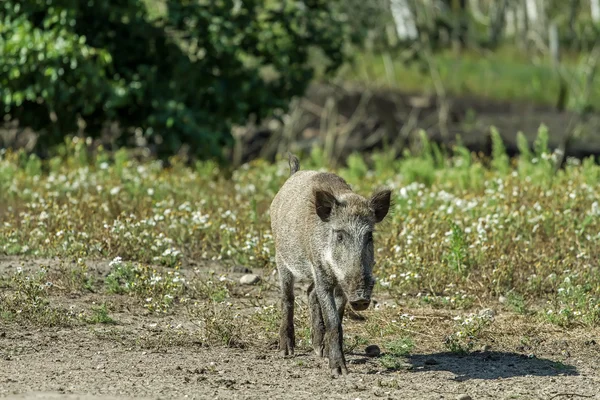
<point x="294" y="163"/>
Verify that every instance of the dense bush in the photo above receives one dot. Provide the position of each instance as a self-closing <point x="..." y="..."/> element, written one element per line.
<point x="175" y="72"/>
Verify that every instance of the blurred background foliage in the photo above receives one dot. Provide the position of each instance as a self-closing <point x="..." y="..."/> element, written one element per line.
<point x="169" y="72"/>
<point x="180" y="75"/>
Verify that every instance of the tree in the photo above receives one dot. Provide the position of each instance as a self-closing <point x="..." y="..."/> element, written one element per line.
<point x="182" y="76"/>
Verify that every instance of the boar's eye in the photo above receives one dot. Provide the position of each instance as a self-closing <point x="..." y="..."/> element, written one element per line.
<point x="339" y="235"/>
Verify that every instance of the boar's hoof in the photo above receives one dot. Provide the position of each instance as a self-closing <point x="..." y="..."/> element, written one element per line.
<point x="335" y="372"/>
<point x="286" y="353"/>
<point x="320" y="352"/>
<point x="286" y="349"/>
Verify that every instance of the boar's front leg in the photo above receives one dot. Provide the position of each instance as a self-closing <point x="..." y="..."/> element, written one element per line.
<point x="333" y="327"/>
<point x="318" y="325"/>
<point x="340" y="302"/>
<point x="287" y="339"/>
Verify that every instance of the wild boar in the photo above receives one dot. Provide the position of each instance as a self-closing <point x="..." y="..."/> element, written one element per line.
<point x="323" y="234"/>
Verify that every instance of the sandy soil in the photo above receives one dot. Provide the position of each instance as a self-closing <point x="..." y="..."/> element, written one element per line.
<point x="137" y="359"/>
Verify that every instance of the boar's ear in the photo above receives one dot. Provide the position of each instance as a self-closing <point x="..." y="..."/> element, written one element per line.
<point x="379" y="203"/>
<point x="324" y="203"/>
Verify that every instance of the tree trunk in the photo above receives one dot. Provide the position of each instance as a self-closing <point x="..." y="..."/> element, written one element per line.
<point x="497" y="23"/>
<point x="573" y="10"/>
<point x="532" y="11"/>
<point x="403" y="20"/>
<point x="595" y="8"/>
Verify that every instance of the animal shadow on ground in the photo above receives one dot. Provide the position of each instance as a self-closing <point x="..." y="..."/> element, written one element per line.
<point x="489" y="365"/>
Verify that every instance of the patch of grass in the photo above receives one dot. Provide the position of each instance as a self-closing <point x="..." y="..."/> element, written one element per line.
<point x="391" y="362"/>
<point x="72" y="279"/>
<point x="268" y="318"/>
<point x="400" y="347"/>
<point x="457" y="255"/>
<point x="517" y="303"/>
<point x="396" y="351"/>
<point x="26" y="301"/>
<point x="351" y="343"/>
<point x="212" y="288"/>
<point x="121" y="278"/>
<point x="159" y="289"/>
<point x="385" y="324"/>
<point x="264" y="324"/>
<point x="219" y="324"/>
<point x="99" y="315"/>
<point x="468" y="331"/>
<point x="576" y="303"/>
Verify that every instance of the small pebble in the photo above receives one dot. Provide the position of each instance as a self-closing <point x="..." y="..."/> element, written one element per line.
<point x="487" y="312"/>
<point x="372" y="350"/>
<point x="463" y="397"/>
<point x="249" y="279"/>
<point x="502" y="299"/>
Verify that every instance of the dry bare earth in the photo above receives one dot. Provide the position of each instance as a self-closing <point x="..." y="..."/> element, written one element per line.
<point x="141" y="357"/>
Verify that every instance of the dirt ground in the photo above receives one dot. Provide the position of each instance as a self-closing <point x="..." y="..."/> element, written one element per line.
<point x="138" y="358"/>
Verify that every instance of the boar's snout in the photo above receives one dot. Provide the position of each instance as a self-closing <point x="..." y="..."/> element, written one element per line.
<point x="360" y="304"/>
<point x="361" y="299"/>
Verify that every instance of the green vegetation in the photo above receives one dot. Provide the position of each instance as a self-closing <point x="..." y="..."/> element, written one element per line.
<point x="397" y="350"/>
<point x="158" y="289"/>
<point x="27" y="299"/>
<point x="179" y="72"/>
<point x="500" y="75"/>
<point x="100" y="315"/>
<point x="29" y="303"/>
<point x="463" y="232"/>
<point x="468" y="331"/>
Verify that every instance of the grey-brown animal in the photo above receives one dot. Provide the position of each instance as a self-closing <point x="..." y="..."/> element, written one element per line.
<point x="323" y="234"/>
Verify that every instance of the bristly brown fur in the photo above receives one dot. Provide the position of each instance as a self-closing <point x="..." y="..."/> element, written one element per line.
<point x="331" y="182"/>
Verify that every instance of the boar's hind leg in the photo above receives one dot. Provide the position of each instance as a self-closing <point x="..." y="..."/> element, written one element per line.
<point x="318" y="326"/>
<point x="286" y="331"/>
